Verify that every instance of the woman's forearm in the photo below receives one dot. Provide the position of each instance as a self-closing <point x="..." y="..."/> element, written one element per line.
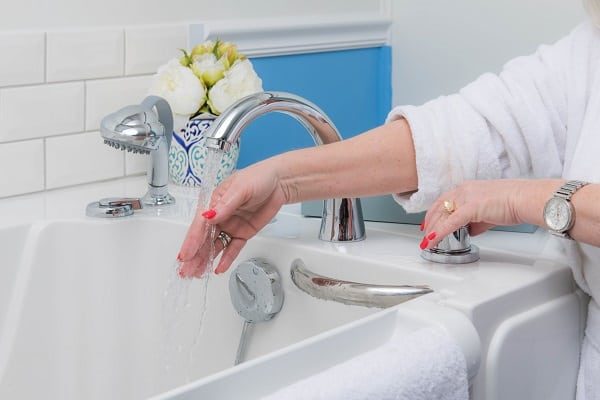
<point x="376" y="162"/>
<point x="535" y="194"/>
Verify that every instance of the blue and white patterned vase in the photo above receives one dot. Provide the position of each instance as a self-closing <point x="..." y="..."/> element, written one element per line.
<point x="188" y="154"/>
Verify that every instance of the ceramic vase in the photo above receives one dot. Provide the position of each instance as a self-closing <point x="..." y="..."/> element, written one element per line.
<point x="188" y="153"/>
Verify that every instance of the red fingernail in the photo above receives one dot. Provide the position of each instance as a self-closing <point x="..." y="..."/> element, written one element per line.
<point x="422" y="226"/>
<point x="180" y="273"/>
<point x="179" y="257"/>
<point x="424" y="243"/>
<point x="431" y="236"/>
<point x="209" y="214"/>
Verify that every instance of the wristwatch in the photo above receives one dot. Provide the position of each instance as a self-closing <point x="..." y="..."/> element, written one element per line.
<point x="559" y="213"/>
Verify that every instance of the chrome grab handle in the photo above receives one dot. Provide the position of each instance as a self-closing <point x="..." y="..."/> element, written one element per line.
<point x="353" y="293"/>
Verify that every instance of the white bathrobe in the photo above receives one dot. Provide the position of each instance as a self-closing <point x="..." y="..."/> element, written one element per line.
<point x="540" y="118"/>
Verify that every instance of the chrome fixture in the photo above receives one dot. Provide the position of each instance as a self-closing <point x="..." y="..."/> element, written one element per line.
<point x="353" y="293"/>
<point x="141" y="129"/>
<point x="342" y="218"/>
<point x="256" y="294"/>
<point x="113" y="207"/>
<point x="455" y="248"/>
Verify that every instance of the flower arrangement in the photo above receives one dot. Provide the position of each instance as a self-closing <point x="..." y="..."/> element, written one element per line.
<point x="208" y="79"/>
<point x="199" y="86"/>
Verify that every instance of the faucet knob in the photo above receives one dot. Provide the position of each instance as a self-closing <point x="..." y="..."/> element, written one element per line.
<point x="455" y="248"/>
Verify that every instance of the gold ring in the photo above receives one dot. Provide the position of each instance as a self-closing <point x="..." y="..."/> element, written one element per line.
<point x="449" y="206"/>
<point x="225" y="239"/>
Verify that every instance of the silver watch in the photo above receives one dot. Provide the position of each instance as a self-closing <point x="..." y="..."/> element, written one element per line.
<point x="559" y="213"/>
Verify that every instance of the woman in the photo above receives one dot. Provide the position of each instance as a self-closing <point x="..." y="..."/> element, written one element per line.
<point x="496" y="153"/>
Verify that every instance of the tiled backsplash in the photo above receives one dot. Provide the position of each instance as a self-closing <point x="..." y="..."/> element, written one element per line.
<point x="55" y="87"/>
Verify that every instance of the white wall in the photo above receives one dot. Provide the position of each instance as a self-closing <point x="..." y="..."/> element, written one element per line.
<point x="43" y="14"/>
<point x="440" y="45"/>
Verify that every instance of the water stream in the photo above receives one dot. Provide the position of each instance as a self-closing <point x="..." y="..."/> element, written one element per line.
<point x="183" y="314"/>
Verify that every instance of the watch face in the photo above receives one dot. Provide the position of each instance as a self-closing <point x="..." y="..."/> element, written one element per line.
<point x="557" y="214"/>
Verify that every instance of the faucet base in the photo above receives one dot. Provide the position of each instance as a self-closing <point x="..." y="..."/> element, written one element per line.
<point x="152" y="199"/>
<point x="448" y="257"/>
<point x="342" y="221"/>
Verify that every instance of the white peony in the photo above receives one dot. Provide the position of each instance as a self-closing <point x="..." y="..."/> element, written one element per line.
<point x="208" y="68"/>
<point x="239" y="81"/>
<point x="178" y="85"/>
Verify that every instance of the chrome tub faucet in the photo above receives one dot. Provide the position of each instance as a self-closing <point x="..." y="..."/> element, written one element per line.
<point x="342" y="218"/>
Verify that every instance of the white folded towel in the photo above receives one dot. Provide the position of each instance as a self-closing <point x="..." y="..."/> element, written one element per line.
<point x="426" y="364"/>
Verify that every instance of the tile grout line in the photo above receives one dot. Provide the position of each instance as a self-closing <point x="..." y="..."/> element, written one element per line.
<point x="85" y="111"/>
<point x="45" y="164"/>
<point x="124" y="33"/>
<point x="45" y="57"/>
<point x="98" y="79"/>
<point x="49" y="136"/>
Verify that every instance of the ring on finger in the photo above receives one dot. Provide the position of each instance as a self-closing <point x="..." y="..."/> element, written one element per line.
<point x="225" y="239"/>
<point x="449" y="206"/>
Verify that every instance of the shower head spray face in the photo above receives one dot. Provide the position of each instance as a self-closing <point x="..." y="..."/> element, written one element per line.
<point x="132" y="128"/>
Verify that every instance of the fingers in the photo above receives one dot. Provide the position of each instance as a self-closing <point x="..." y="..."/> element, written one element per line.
<point x="198" y="264"/>
<point x="445" y="226"/>
<point x="194" y="239"/>
<point x="198" y="230"/>
<point x="226" y="206"/>
<point x="229" y="255"/>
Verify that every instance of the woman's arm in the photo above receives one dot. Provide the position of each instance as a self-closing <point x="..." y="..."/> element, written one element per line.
<point x="380" y="161"/>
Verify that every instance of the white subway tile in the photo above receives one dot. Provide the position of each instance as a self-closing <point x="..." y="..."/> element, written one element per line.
<point x="136" y="164"/>
<point x="108" y="95"/>
<point x="21" y="167"/>
<point x="147" y="48"/>
<point x="23" y="58"/>
<point x="80" y="158"/>
<point x="37" y="111"/>
<point x="84" y="54"/>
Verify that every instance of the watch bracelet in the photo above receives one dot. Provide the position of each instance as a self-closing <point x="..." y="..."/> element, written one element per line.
<point x="565" y="192"/>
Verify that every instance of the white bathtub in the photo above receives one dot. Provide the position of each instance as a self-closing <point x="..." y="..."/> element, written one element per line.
<point x="82" y="300"/>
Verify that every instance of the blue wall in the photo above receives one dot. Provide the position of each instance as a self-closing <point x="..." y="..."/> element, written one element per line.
<point x="352" y="86"/>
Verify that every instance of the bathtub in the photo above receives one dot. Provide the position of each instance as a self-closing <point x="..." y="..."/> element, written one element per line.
<point x="84" y="307"/>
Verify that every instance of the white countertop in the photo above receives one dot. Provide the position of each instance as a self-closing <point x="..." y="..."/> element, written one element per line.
<point x="70" y="203"/>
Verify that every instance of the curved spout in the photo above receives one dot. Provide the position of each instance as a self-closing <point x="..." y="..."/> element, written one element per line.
<point x="228" y="127"/>
<point x="342" y="218"/>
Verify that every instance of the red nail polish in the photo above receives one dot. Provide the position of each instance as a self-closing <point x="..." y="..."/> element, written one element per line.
<point x="432" y="236"/>
<point x="424" y="243"/>
<point x="422" y="226"/>
<point x="179" y="257"/>
<point x="209" y="214"/>
<point x="180" y="273"/>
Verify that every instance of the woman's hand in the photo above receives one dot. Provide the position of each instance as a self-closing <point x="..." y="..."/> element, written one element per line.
<point x="482" y="204"/>
<point x="240" y="206"/>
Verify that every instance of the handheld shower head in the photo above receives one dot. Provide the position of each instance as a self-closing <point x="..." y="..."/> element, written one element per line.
<point x="141" y="129"/>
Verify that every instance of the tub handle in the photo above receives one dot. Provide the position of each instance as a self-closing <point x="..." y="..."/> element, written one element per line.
<point x="353" y="293"/>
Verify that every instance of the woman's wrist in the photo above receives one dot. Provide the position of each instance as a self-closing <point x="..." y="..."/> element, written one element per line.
<point x="286" y="177"/>
<point x="532" y="197"/>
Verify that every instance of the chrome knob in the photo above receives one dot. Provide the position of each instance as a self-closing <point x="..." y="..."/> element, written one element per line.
<point x="255" y="290"/>
<point x="455" y="248"/>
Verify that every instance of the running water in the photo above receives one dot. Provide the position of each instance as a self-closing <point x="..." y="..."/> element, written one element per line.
<point x="182" y="317"/>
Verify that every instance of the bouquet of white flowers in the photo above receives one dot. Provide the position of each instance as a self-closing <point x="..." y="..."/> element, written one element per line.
<point x="209" y="78"/>
<point x="199" y="86"/>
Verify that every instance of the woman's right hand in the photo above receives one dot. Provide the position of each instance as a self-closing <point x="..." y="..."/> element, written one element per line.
<point x="240" y="206"/>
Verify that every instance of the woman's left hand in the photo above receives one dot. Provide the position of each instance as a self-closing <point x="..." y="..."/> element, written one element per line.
<point x="480" y="204"/>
